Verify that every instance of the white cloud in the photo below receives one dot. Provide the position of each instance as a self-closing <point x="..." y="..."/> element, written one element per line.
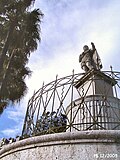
<point x="13" y="132"/>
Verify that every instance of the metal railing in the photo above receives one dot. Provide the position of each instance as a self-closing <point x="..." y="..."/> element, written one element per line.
<point x="59" y="106"/>
<point x="95" y="113"/>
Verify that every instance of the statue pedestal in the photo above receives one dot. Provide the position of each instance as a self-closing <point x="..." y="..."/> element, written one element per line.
<point x="97" y="108"/>
<point x="95" y="83"/>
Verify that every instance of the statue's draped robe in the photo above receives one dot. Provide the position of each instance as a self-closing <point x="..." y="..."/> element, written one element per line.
<point x="97" y="60"/>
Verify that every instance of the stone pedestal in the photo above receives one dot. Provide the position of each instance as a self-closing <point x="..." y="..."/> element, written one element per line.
<point x="95" y="83"/>
<point x="97" y="108"/>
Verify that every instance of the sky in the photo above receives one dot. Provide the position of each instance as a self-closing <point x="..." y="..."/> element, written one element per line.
<point x="67" y="26"/>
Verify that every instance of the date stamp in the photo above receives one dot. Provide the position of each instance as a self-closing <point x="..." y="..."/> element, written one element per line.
<point x="106" y="155"/>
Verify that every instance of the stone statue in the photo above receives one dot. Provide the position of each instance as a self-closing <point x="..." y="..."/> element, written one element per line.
<point x="90" y="59"/>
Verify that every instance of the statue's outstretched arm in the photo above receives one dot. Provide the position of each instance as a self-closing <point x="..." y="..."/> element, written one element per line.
<point x="93" y="46"/>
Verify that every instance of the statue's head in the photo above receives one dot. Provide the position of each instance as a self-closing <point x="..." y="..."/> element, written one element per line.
<point x="85" y="48"/>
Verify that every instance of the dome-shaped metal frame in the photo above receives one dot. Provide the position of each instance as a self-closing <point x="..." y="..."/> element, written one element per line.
<point x="47" y="110"/>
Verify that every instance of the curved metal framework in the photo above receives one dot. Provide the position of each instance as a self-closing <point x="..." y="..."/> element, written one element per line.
<point x="58" y="107"/>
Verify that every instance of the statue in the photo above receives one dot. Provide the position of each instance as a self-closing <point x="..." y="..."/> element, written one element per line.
<point x="90" y="59"/>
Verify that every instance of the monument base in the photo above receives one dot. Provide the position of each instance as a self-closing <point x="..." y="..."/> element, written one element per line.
<point x="84" y="145"/>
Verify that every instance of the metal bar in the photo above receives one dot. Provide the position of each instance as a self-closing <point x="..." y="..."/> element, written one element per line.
<point x="71" y="101"/>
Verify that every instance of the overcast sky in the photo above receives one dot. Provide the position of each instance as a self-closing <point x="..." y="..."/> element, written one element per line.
<point x="66" y="27"/>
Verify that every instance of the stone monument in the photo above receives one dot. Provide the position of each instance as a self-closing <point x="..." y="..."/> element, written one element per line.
<point x="97" y="108"/>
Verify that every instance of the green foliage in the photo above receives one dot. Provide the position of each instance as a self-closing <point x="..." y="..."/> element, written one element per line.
<point x="20" y="33"/>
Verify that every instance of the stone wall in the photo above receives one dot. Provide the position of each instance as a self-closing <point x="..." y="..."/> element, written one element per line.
<point x="82" y="145"/>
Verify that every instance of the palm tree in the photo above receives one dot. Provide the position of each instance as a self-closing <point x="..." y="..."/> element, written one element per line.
<point x="20" y="28"/>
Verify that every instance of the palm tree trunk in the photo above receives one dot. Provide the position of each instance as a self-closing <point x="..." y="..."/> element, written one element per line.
<point x="6" y="46"/>
<point x="3" y="81"/>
